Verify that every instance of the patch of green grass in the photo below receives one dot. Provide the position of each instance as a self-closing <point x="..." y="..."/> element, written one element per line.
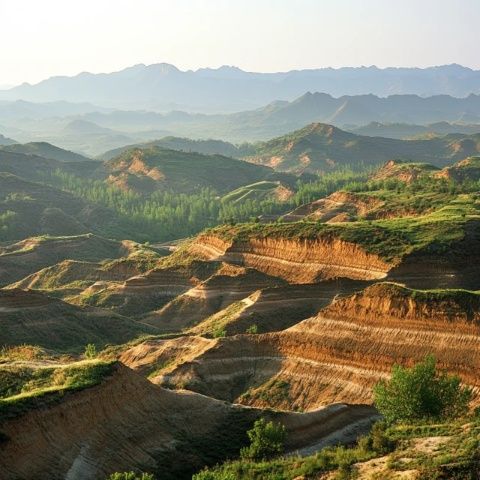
<point x="456" y="456"/>
<point x="25" y="388"/>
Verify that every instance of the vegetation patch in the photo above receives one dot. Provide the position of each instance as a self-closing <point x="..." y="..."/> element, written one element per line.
<point x="25" y="388"/>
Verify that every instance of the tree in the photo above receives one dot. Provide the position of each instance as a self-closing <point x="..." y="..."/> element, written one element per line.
<point x="266" y="439"/>
<point x="421" y="392"/>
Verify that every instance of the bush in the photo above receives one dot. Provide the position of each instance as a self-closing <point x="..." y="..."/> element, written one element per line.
<point x="421" y="392"/>
<point x="252" y="329"/>
<point x="90" y="351"/>
<point x="377" y="440"/>
<point x="131" y="476"/>
<point x="266" y="440"/>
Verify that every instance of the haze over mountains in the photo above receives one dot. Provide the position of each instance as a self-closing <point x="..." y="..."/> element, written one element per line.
<point x="91" y="130"/>
<point x="164" y="87"/>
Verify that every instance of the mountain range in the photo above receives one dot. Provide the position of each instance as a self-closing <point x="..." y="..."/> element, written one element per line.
<point x="164" y="87"/>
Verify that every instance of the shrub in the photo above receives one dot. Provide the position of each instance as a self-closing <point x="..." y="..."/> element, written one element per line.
<point x="90" y="351"/>
<point x="377" y="440"/>
<point x="130" y="476"/>
<point x="252" y="329"/>
<point x="219" y="332"/>
<point x="421" y="392"/>
<point x="266" y="440"/>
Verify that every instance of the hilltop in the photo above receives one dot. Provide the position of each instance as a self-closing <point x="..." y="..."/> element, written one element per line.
<point x="155" y="168"/>
<point x="206" y="147"/>
<point x="19" y="259"/>
<point x="34" y="318"/>
<point x="320" y="148"/>
<point x="45" y="150"/>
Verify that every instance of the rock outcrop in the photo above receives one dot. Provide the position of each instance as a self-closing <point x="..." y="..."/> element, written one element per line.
<point x="339" y="354"/>
<point x="296" y="260"/>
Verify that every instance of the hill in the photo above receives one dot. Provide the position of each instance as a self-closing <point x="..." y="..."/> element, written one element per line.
<point x="155" y="168"/>
<point x="465" y="170"/>
<point x="34" y="318"/>
<point x="6" y="141"/>
<point x="17" y="260"/>
<point x="30" y="209"/>
<point x="406" y="130"/>
<point x="206" y="147"/>
<point x="45" y="150"/>
<point x="321" y="148"/>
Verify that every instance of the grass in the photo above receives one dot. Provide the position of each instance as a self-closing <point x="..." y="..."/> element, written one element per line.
<point x="24" y="388"/>
<point x="456" y="456"/>
<point x="263" y="190"/>
<point x="391" y="239"/>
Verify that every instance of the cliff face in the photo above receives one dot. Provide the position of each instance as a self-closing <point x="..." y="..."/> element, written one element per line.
<point x="128" y="423"/>
<point x="124" y="423"/>
<point x="226" y="286"/>
<point x="338" y="355"/>
<point x="391" y="303"/>
<point x="296" y="260"/>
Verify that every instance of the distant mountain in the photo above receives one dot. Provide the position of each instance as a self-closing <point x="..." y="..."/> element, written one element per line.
<point x="45" y="150"/>
<point x="165" y="87"/>
<point x="6" y="141"/>
<point x="19" y="109"/>
<point x="319" y="148"/>
<point x="207" y="147"/>
<point x="280" y="117"/>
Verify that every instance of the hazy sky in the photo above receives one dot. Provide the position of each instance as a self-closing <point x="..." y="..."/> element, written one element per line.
<point x="41" y="38"/>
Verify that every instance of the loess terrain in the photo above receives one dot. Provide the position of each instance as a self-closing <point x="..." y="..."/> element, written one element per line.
<point x="156" y="302"/>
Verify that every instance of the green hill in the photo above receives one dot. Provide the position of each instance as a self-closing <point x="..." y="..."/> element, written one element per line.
<point x="265" y="190"/>
<point x="45" y="150"/>
<point x="155" y="168"/>
<point x="30" y="209"/>
<point x="207" y="147"/>
<point x="319" y="148"/>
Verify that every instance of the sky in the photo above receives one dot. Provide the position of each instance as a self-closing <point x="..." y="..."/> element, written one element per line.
<point x="42" y="38"/>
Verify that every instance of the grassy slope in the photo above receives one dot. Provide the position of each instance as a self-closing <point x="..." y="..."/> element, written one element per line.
<point x="25" y="387"/>
<point x="454" y="455"/>
<point x="391" y="239"/>
<point x="189" y="171"/>
<point x="329" y="147"/>
<point x="45" y="150"/>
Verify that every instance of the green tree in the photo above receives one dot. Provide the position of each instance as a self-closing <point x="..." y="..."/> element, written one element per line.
<point x="421" y="392"/>
<point x="266" y="440"/>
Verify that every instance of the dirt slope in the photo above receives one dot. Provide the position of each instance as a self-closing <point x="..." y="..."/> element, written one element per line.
<point x="338" y="355"/>
<point x="29" y="317"/>
<point x="127" y="422"/>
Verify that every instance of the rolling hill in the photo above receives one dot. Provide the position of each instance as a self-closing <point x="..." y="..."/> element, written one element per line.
<point x="45" y="150"/>
<point x="29" y="317"/>
<point x="155" y="168"/>
<point x="320" y="148"/>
